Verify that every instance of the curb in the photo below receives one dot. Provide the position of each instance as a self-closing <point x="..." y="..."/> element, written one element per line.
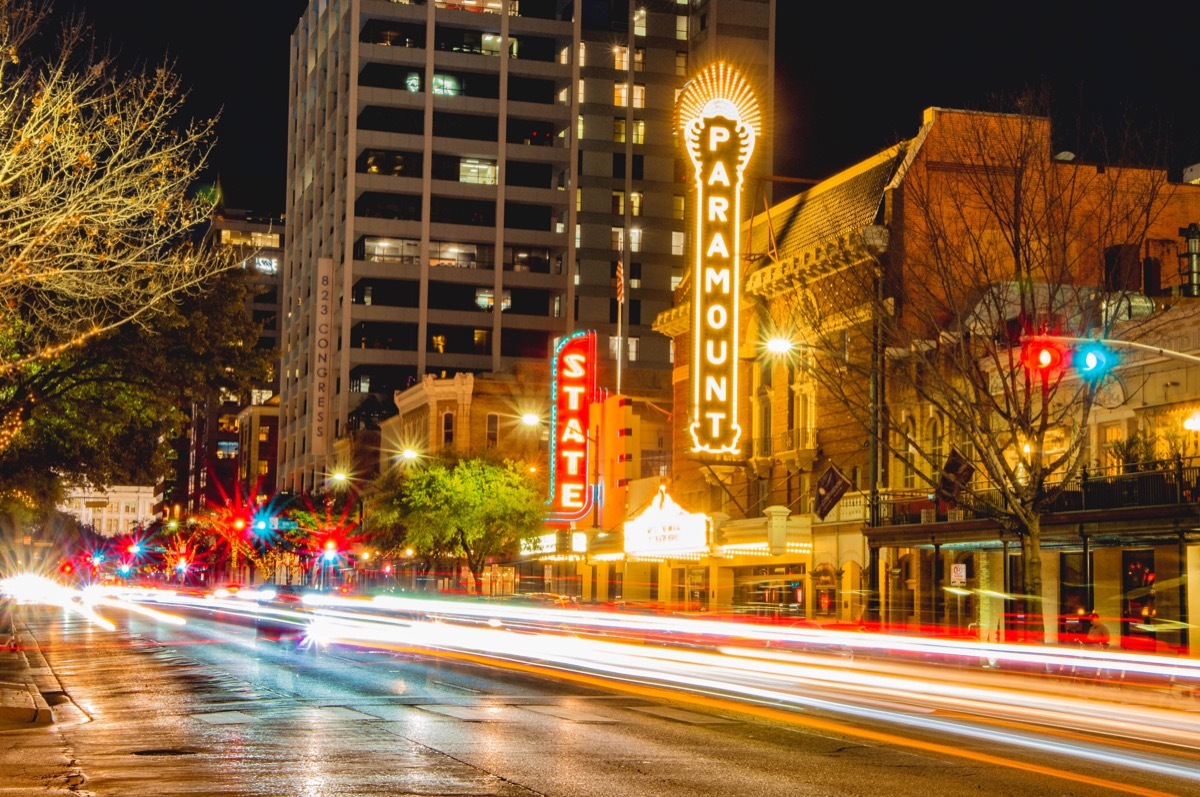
<point x="21" y="701"/>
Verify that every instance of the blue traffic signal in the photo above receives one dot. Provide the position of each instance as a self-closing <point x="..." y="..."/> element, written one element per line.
<point x="1094" y="360"/>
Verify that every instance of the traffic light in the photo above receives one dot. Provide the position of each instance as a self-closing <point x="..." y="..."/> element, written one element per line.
<point x="1042" y="356"/>
<point x="331" y="550"/>
<point x="1094" y="360"/>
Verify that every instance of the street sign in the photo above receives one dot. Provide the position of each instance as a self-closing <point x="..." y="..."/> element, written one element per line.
<point x="283" y="525"/>
<point x="958" y="575"/>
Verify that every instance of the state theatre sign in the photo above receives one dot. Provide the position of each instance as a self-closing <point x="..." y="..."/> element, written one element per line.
<point x="719" y="119"/>
<point x="573" y="391"/>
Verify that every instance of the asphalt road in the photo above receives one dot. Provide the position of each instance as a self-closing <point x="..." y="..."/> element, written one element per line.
<point x="207" y="709"/>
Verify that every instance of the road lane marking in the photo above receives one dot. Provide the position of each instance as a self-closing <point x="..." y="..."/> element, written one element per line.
<point x="570" y="714"/>
<point x="226" y="718"/>
<point x="475" y="713"/>
<point x="679" y="715"/>
<point x="342" y="712"/>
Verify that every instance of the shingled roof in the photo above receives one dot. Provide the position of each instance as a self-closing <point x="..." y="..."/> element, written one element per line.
<point x="832" y="209"/>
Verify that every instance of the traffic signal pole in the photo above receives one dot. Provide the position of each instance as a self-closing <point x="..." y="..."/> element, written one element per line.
<point x="1125" y="344"/>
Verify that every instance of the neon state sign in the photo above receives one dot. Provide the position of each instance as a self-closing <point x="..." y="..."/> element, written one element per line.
<point x="719" y="117"/>
<point x="573" y="390"/>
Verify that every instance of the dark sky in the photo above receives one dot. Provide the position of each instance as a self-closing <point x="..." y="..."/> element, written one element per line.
<point x="850" y="80"/>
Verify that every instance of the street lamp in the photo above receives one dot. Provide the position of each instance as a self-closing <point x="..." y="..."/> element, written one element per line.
<point x="780" y="345"/>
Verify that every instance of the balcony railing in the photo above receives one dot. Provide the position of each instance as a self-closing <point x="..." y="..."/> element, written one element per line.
<point x="1153" y="484"/>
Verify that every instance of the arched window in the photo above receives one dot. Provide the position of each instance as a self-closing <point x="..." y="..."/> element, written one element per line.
<point x="909" y="466"/>
<point x="493" y="430"/>
<point x="937" y="443"/>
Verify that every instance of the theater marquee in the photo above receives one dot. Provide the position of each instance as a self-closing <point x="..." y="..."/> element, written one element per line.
<point x="719" y="119"/>
<point x="573" y="391"/>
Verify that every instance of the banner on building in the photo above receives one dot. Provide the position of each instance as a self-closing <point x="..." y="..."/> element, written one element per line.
<point x="830" y="488"/>
<point x="321" y="369"/>
<point x="955" y="476"/>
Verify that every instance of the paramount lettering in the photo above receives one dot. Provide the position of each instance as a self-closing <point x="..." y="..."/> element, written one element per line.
<point x="720" y="141"/>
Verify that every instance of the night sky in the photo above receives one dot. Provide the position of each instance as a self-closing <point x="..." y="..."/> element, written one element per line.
<point x="850" y="80"/>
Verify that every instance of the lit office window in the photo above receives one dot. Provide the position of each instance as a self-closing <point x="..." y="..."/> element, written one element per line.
<point x="446" y="85"/>
<point x="639" y="127"/>
<point x="635" y="203"/>
<point x="639" y="22"/>
<point x="618" y="203"/>
<point x="478" y="172"/>
<point x="639" y="59"/>
<point x="677" y="243"/>
<point x="681" y="27"/>
<point x="639" y="96"/>
<point x="620" y="58"/>
<point x="621" y="94"/>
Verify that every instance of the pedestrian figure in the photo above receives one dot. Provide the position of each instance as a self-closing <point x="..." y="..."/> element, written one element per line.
<point x="1097" y="634"/>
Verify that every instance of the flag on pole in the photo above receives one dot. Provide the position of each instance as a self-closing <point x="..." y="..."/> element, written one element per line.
<point x="830" y="488"/>
<point x="956" y="474"/>
<point x="620" y="283"/>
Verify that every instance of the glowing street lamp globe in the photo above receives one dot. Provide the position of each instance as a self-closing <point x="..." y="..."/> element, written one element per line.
<point x="779" y="345"/>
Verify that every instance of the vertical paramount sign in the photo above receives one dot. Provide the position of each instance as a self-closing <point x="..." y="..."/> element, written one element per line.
<point x="719" y="119"/>
<point x="573" y="389"/>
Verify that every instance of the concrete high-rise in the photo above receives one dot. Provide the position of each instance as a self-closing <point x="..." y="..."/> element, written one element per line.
<point x="463" y="178"/>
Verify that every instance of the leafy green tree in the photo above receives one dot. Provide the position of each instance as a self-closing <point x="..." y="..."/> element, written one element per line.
<point x="474" y="509"/>
<point x="100" y="413"/>
<point x="97" y="224"/>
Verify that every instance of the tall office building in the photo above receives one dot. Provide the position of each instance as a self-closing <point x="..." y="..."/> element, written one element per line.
<point x="229" y="448"/>
<point x="464" y="178"/>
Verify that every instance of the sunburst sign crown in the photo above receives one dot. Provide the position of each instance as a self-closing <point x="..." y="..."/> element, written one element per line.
<point x="719" y="89"/>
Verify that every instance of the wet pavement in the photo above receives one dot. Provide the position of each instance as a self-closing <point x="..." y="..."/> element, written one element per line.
<point x="207" y="709"/>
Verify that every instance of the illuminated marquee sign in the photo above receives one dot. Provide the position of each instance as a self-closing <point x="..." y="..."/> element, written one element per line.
<point x="664" y="529"/>
<point x="573" y="390"/>
<point x="719" y="117"/>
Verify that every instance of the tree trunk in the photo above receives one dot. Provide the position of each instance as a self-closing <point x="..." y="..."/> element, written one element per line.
<point x="1031" y="547"/>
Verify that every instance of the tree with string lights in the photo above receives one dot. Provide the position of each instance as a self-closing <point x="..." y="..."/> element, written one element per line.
<point x="96" y="209"/>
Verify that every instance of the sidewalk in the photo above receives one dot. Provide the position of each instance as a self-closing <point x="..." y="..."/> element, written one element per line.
<point x="21" y="667"/>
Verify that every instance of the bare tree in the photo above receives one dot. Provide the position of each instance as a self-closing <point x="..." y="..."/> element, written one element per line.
<point x="919" y="328"/>
<point x="95" y="211"/>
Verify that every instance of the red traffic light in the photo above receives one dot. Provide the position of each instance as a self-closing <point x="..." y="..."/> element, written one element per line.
<point x="1040" y="355"/>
